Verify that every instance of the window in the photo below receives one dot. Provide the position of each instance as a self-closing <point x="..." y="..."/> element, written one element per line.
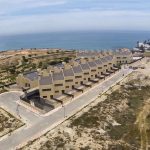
<point x="93" y="70"/>
<point x="110" y="63"/>
<point x="56" y="91"/>
<point x="86" y="73"/>
<point x="99" y="67"/>
<point x="67" y="87"/>
<point x="27" y="85"/>
<point x="84" y="78"/>
<point x="76" y="83"/>
<point x="44" y="96"/>
<point x="118" y="57"/>
<point x="68" y="80"/>
<point x="58" y="84"/>
<point x="78" y="77"/>
<point x="105" y="65"/>
<point x="44" y="90"/>
<point x="51" y="96"/>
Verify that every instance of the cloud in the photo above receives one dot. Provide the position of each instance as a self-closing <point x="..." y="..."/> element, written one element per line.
<point x="78" y="20"/>
<point x="10" y="6"/>
<point x="28" y="16"/>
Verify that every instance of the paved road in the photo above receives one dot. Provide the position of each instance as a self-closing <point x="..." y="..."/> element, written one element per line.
<point x="48" y="121"/>
<point x="9" y="102"/>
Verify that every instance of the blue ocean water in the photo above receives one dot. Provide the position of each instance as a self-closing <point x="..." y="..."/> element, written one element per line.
<point x="90" y="40"/>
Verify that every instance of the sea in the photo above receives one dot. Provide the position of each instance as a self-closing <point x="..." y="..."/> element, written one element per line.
<point x="80" y="40"/>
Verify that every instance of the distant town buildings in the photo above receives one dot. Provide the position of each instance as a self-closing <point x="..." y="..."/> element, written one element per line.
<point x="142" y="46"/>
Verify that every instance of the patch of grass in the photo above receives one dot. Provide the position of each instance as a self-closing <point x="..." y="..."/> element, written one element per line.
<point x="85" y="148"/>
<point x="57" y="142"/>
<point x="86" y="120"/>
<point x="128" y="131"/>
<point x="120" y="147"/>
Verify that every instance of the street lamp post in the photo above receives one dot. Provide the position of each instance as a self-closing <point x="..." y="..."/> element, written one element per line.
<point x="102" y="90"/>
<point x="17" y="110"/>
<point x="64" y="110"/>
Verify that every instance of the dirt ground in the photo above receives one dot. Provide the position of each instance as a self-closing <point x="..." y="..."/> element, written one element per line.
<point x="111" y="122"/>
<point x="8" y="123"/>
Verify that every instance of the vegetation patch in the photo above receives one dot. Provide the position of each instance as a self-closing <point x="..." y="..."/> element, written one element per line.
<point x="127" y="130"/>
<point x="8" y="123"/>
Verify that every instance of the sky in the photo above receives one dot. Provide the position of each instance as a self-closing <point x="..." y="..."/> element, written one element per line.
<point x="38" y="16"/>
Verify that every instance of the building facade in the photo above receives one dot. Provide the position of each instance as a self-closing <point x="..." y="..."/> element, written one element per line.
<point x="124" y="57"/>
<point x="61" y="83"/>
<point x="28" y="80"/>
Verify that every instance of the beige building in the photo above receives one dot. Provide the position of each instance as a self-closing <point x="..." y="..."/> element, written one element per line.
<point x="78" y="74"/>
<point x="69" y="80"/>
<point x="69" y="77"/>
<point x="58" y="82"/>
<point x="46" y="88"/>
<point x="28" y="80"/>
<point x="86" y="73"/>
<point x="105" y="66"/>
<point x="61" y="83"/>
<point x="124" y="57"/>
<point x="100" y="68"/>
<point x="93" y="70"/>
<point x="52" y="85"/>
<point x="111" y="62"/>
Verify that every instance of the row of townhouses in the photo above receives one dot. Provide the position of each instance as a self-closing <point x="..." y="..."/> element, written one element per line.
<point x="63" y="82"/>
